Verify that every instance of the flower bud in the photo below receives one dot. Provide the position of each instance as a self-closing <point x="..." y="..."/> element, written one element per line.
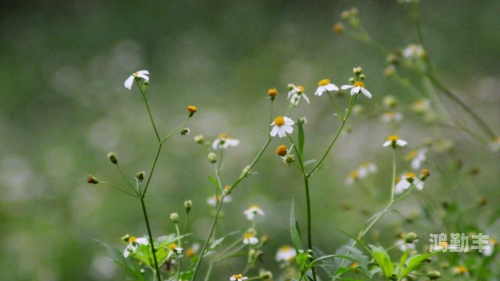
<point x="411" y="237"/>
<point x="434" y="275"/>
<point x="112" y="158"/>
<point x="192" y="110"/>
<point x="425" y="174"/>
<point x="140" y="176"/>
<point x="174" y="217"/>
<point x="92" y="180"/>
<point x="212" y="157"/>
<point x="338" y="28"/>
<point x="352" y="80"/>
<point x="185" y="131"/>
<point x="199" y="139"/>
<point x="126" y="238"/>
<point x="289" y="159"/>
<point x="272" y="93"/>
<point x="281" y="150"/>
<point x="187" y="206"/>
<point x="361" y="77"/>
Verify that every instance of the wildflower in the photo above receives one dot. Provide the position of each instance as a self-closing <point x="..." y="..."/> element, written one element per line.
<point x="357" y="87"/>
<point x="365" y="169"/>
<point x="212" y="157"/>
<point x="252" y="211"/>
<point x="134" y="243"/>
<point x="192" y="110"/>
<point x="325" y="85"/>
<point x="390" y="102"/>
<point x="416" y="157"/>
<point x="403" y="246"/>
<point x="190" y="252"/>
<point x="414" y="52"/>
<point x="140" y="176"/>
<point x="199" y="139"/>
<point x="136" y="76"/>
<point x="238" y="277"/>
<point x="353" y="176"/>
<point x="250" y="238"/>
<point x="174" y="217"/>
<point x="212" y="201"/>
<point x="286" y="254"/>
<point x="392" y="116"/>
<point x="272" y="93"/>
<point x="460" y="270"/>
<point x="174" y="250"/>
<point x="282" y="126"/>
<point x="406" y="181"/>
<point x="394" y="141"/>
<point x="187" y="205"/>
<point x="185" y="131"/>
<point x="224" y="142"/>
<point x="112" y="158"/>
<point x="295" y="93"/>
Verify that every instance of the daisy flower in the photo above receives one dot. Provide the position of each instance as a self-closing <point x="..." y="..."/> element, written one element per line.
<point x="416" y="157"/>
<point x="250" y="239"/>
<point x="460" y="270"/>
<point x="238" y="277"/>
<point x="413" y="52"/>
<point x="325" y="85"/>
<point x="134" y="243"/>
<point x="356" y="88"/>
<point x="224" y="142"/>
<point x="212" y="201"/>
<point x="391" y="116"/>
<point x="190" y="252"/>
<point x="174" y="250"/>
<point x="252" y="211"/>
<point x="295" y="93"/>
<point x="353" y="177"/>
<point x="394" y="141"/>
<point x="139" y="74"/>
<point x="403" y="246"/>
<point x="365" y="169"/>
<point x="406" y="181"/>
<point x="286" y="254"/>
<point x="282" y="126"/>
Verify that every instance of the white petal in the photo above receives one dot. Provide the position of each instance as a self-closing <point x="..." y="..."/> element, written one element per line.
<point x="345" y="87"/>
<point x="143" y="72"/>
<point x="387" y="143"/>
<point x="305" y="97"/>
<point x="143" y="241"/>
<point x="401" y="142"/>
<point x="281" y="132"/>
<point x="215" y="144"/>
<point x="365" y="92"/>
<point x="126" y="253"/>
<point x="355" y="90"/>
<point x="288" y="129"/>
<point x="143" y="76"/>
<point x="420" y="185"/>
<point x="128" y="83"/>
<point x="331" y="87"/>
<point x="274" y="131"/>
<point x="288" y="121"/>
<point x="319" y="91"/>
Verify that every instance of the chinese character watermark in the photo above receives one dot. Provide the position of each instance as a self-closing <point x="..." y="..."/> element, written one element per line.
<point x="459" y="242"/>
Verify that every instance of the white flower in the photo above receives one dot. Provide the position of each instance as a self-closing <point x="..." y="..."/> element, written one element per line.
<point x="392" y="116"/>
<point x="413" y="52"/>
<point x="238" y="277"/>
<point x="212" y="201"/>
<point x="174" y="250"/>
<point x="416" y="157"/>
<point x="282" y="126"/>
<point x="353" y="176"/>
<point x="286" y="254"/>
<point x="252" y="211"/>
<point x="488" y="251"/>
<point x="250" y="238"/>
<point x="403" y="246"/>
<point x="139" y="74"/>
<point x="134" y="243"/>
<point x="325" y="85"/>
<point x="224" y="142"/>
<point x="365" y="169"/>
<point x="190" y="252"/>
<point x="356" y="88"/>
<point x="406" y="181"/>
<point x="394" y="141"/>
<point x="295" y="93"/>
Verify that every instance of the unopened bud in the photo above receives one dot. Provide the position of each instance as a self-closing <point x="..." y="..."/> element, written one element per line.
<point x="174" y="217"/>
<point x="212" y="157"/>
<point x="352" y="80"/>
<point x="126" y="238"/>
<point x="434" y="275"/>
<point x="187" y="206"/>
<point x="272" y="93"/>
<point x="281" y="150"/>
<point x="411" y="237"/>
<point x="185" y="131"/>
<point x="289" y="159"/>
<point x="425" y="174"/>
<point x="140" y="176"/>
<point x="92" y="180"/>
<point x="199" y="139"/>
<point x="112" y="158"/>
<point x="192" y="110"/>
<point x="361" y="77"/>
<point x="338" y="28"/>
<point x="357" y="70"/>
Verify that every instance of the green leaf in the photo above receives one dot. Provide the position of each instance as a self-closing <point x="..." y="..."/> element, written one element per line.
<point x="404" y="257"/>
<point x="301" y="137"/>
<point x="416" y="262"/>
<point x="361" y="259"/>
<point x="309" y="162"/>
<point x="328" y="263"/>
<point x="383" y="260"/>
<point x="127" y="263"/>
<point x="214" y="181"/>
<point x="302" y="261"/>
<point x="351" y="244"/>
<point x="220" y="240"/>
<point x="295" y="232"/>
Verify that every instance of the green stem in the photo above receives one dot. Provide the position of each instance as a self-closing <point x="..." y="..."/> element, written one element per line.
<point x="179" y="242"/>
<point x="309" y="220"/>
<point x="110" y="184"/>
<point x="336" y="107"/>
<point x="150" y="238"/>
<point x="152" y="169"/>
<point x="209" y="271"/>
<point x="123" y="175"/>
<point x="149" y="111"/>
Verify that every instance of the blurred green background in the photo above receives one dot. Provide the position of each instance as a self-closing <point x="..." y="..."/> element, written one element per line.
<point x="63" y="107"/>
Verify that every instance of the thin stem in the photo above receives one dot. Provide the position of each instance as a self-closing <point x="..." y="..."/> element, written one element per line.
<point x="271" y="116"/>
<point x="152" y="168"/>
<point x="174" y="131"/>
<point x="103" y="182"/>
<point x="208" y="238"/>
<point x="309" y="220"/>
<point x="209" y="271"/>
<point x="149" y="111"/>
<point x="335" y="105"/>
<point x="150" y="238"/>
<point x="180" y="245"/>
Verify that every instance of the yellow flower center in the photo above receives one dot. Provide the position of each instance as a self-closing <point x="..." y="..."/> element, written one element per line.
<point x="285" y="248"/>
<point x="192" y="109"/>
<point x="279" y="121"/>
<point x="393" y="138"/>
<point x="238" y="276"/>
<point x="272" y="92"/>
<point x="254" y="207"/>
<point x="353" y="175"/>
<point x="136" y="73"/>
<point x="281" y="150"/>
<point x="172" y="246"/>
<point x="410" y="176"/>
<point x="359" y="84"/>
<point x="462" y="269"/>
<point x="301" y="89"/>
<point x="132" y="239"/>
<point x="190" y="252"/>
<point x="249" y="235"/>
<point x="324" y="82"/>
<point x="425" y="172"/>
<point x="365" y="165"/>
<point x="412" y="155"/>
<point x="223" y="136"/>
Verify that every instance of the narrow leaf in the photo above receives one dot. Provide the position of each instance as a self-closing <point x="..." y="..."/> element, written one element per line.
<point x="295" y="231"/>
<point x="301" y="137"/>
